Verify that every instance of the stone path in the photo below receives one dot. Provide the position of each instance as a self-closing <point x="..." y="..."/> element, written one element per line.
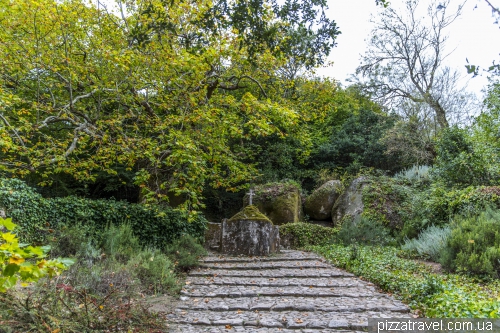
<point x="290" y="292"/>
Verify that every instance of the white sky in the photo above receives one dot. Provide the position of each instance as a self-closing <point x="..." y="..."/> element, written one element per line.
<point x="473" y="35"/>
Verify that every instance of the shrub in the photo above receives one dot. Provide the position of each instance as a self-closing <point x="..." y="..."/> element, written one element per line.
<point x="430" y="243"/>
<point x="417" y="173"/>
<point x="185" y="253"/>
<point x="300" y="234"/>
<point x="155" y="271"/>
<point x="474" y="245"/>
<point x="120" y="243"/>
<point x="460" y="161"/>
<point x="37" y="217"/>
<point x="363" y="231"/>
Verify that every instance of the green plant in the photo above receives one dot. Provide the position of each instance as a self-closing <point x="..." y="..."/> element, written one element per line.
<point x="300" y="234"/>
<point x="430" y="242"/>
<point x="38" y="217"/>
<point x="460" y="161"/>
<point x="185" y="253"/>
<point x="155" y="271"/>
<point x="15" y="263"/>
<point x="474" y="245"/>
<point x="363" y="231"/>
<point x="59" y="307"/>
<point x="119" y="242"/>
<point x="417" y="173"/>
<point x="430" y="294"/>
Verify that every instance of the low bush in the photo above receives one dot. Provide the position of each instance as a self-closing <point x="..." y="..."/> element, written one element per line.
<point x="120" y="243"/>
<point x="430" y="294"/>
<point x="155" y="271"/>
<point x="58" y="307"/>
<point x="185" y="253"/>
<point x="363" y="231"/>
<point x="474" y="245"/>
<point x="299" y="235"/>
<point x="429" y="244"/>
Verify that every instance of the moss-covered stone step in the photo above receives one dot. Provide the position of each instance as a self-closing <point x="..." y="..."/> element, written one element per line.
<point x="286" y="303"/>
<point x="236" y="291"/>
<point x="273" y="282"/>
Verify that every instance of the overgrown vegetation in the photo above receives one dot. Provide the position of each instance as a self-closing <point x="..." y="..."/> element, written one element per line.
<point x="105" y="289"/>
<point x="299" y="235"/>
<point x="38" y="217"/>
<point x="430" y="294"/>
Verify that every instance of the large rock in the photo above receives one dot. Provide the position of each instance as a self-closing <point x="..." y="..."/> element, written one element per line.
<point x="280" y="202"/>
<point x="320" y="203"/>
<point x="249" y="233"/>
<point x="350" y="203"/>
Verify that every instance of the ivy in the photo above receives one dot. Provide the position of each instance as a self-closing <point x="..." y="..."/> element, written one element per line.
<point x="37" y="217"/>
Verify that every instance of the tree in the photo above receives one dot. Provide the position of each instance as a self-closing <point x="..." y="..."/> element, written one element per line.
<point x="405" y="61"/>
<point x="172" y="91"/>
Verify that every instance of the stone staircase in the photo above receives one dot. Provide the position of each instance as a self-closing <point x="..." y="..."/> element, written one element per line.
<point x="290" y="292"/>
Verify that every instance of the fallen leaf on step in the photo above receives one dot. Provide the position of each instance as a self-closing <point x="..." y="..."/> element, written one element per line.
<point x="299" y="321"/>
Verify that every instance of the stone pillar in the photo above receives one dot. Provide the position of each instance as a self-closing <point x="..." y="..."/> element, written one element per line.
<point x="249" y="233"/>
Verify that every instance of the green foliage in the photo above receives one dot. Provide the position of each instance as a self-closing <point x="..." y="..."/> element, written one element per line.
<point x="119" y="242"/>
<point x="387" y="201"/>
<point x="22" y="262"/>
<point x="185" y="253"/>
<point x="299" y="235"/>
<point x="460" y="162"/>
<point x="59" y="307"/>
<point x="155" y="226"/>
<point x="430" y="242"/>
<point x="433" y="295"/>
<point x="363" y="231"/>
<point x="474" y="245"/>
<point x="155" y="271"/>
<point x="355" y="144"/>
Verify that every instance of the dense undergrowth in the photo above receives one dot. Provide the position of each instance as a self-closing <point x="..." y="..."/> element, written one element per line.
<point x="106" y="288"/>
<point x="430" y="294"/>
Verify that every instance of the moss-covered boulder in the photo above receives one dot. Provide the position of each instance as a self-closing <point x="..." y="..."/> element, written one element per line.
<point x="350" y="202"/>
<point x="249" y="233"/>
<point x="320" y="203"/>
<point x="280" y="202"/>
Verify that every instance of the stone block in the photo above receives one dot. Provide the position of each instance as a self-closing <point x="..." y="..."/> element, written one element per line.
<point x="249" y="233"/>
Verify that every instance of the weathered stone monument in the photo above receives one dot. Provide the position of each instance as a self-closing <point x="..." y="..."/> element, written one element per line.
<point x="249" y="233"/>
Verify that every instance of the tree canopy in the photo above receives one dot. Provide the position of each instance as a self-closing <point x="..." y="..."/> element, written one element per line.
<point x="164" y="89"/>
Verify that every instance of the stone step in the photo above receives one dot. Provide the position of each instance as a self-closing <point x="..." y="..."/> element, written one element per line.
<point x="273" y="273"/>
<point x="289" y="320"/>
<point x="248" y="329"/>
<point x="302" y="264"/>
<point x="296" y="303"/>
<point x="274" y="282"/>
<point x="256" y="291"/>
<point x="282" y="256"/>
